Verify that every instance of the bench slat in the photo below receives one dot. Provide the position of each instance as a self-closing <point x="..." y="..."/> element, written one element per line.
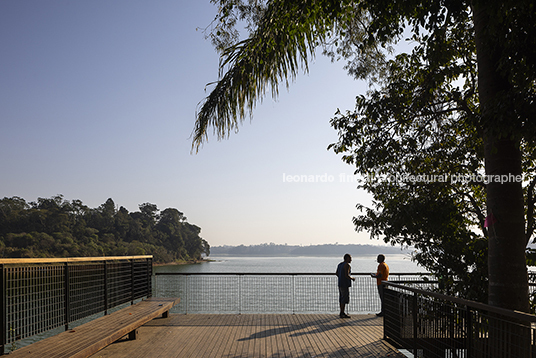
<point x="91" y="337"/>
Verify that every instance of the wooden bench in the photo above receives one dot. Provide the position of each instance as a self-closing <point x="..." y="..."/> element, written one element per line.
<point x="93" y="336"/>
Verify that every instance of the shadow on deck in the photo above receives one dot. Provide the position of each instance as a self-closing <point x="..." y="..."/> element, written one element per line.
<point x="257" y="335"/>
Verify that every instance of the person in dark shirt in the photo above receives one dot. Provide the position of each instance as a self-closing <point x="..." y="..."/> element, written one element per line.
<point x="345" y="282"/>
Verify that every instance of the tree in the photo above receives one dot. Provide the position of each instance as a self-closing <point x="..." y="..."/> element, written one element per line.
<point x="502" y="130"/>
<point x="55" y="227"/>
<point x="12" y="214"/>
<point x="150" y="213"/>
<point x="288" y="31"/>
<point x="500" y="125"/>
<point x="408" y="141"/>
<point x="171" y="226"/>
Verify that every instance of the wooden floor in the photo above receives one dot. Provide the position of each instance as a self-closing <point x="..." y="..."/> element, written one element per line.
<point x="256" y="335"/>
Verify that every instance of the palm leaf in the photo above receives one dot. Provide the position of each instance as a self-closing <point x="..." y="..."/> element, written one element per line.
<point x="283" y="43"/>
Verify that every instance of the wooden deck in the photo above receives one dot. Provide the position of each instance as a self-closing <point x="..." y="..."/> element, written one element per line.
<point x="256" y="335"/>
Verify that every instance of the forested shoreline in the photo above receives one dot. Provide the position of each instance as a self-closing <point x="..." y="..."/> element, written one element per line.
<point x="336" y="249"/>
<point x="54" y="227"/>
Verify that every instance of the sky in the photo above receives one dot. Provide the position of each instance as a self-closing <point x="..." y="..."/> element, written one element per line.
<point x="98" y="100"/>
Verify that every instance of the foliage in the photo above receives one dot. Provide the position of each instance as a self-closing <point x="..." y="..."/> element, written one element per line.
<point x="433" y="113"/>
<point x="282" y="41"/>
<point x="54" y="227"/>
<point x="418" y="141"/>
<point x="411" y="142"/>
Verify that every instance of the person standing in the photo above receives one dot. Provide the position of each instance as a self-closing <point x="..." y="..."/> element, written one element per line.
<point x="345" y="282"/>
<point x="382" y="274"/>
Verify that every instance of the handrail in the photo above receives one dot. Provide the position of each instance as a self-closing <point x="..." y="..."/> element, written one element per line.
<point x="432" y="324"/>
<point x="9" y="261"/>
<point x="282" y="273"/>
<point x="481" y="306"/>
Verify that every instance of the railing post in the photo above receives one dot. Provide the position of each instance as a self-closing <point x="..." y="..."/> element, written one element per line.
<point x="469" y="331"/>
<point x="415" y="330"/>
<point x="3" y="303"/>
<point x="293" y="296"/>
<point x="386" y="313"/>
<point x="239" y="294"/>
<point x="187" y="290"/>
<point x="149" y="277"/>
<point x="131" y="281"/>
<point x="105" y="288"/>
<point x="67" y="294"/>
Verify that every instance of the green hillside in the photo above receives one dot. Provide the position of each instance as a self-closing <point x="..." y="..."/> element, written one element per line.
<point x="54" y="227"/>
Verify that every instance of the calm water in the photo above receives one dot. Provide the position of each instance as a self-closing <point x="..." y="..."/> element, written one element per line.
<point x="362" y="264"/>
<point x="274" y="294"/>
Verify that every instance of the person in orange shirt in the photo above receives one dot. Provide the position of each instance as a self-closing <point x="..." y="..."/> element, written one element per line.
<point x="382" y="274"/>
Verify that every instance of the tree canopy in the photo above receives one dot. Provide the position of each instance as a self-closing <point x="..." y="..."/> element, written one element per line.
<point x="411" y="142"/>
<point x="460" y="103"/>
<point x="54" y="227"/>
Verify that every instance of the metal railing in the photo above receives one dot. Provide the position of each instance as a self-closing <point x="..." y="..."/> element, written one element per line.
<point x="272" y="292"/>
<point x="38" y="295"/>
<point x="430" y="324"/>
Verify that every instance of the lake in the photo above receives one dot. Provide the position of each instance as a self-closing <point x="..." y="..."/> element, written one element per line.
<point x="360" y="264"/>
<point x="266" y="284"/>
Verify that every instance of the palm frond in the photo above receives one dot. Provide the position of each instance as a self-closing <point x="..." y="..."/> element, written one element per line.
<point x="283" y="43"/>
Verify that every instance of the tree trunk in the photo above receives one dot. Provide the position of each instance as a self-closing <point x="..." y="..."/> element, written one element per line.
<point x="508" y="281"/>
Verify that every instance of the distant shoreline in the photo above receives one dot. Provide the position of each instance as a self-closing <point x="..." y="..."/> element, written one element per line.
<point x="182" y="262"/>
<point x="317" y="255"/>
<point x="332" y="250"/>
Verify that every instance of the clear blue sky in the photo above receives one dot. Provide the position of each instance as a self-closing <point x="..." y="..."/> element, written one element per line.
<point x="98" y="101"/>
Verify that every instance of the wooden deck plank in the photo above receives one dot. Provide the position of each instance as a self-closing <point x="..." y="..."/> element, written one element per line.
<point x="276" y="331"/>
<point x="301" y="336"/>
<point x="303" y="341"/>
<point x="218" y="337"/>
<point x="187" y="339"/>
<point x="236" y="338"/>
<point x="252" y="324"/>
<point x="256" y="336"/>
<point x="346" y="338"/>
<point x="326" y="336"/>
<point x="311" y="333"/>
<point x="310" y="325"/>
<point x="246" y="322"/>
<point x="269" y="336"/>
<point x="230" y="339"/>
<point x="329" y="337"/>
<point x="213" y="336"/>
<point x="289" y="342"/>
<point x="285" y="343"/>
<point x="196" y="345"/>
<point x="358" y="337"/>
<point x="280" y="337"/>
<point x="249" y="337"/>
<point x="174" y="340"/>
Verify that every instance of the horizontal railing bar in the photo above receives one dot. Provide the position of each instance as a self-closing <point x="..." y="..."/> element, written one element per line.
<point x="481" y="306"/>
<point x="281" y="274"/>
<point x="71" y="259"/>
<point x="414" y="281"/>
